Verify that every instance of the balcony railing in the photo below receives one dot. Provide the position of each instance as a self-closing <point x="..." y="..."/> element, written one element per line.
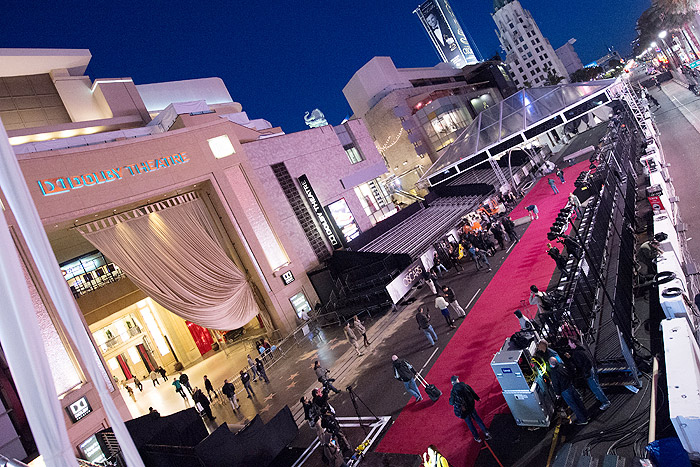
<point x="95" y="279"/>
<point x="120" y="339"/>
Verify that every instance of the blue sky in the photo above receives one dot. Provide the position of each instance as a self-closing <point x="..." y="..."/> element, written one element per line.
<point x="281" y="59"/>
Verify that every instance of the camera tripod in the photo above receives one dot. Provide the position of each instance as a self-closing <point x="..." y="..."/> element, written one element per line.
<point x="354" y="398"/>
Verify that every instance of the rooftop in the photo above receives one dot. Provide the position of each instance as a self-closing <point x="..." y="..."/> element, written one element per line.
<point x="23" y="62"/>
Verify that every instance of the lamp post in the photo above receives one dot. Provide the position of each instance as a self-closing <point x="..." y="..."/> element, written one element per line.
<point x="671" y="56"/>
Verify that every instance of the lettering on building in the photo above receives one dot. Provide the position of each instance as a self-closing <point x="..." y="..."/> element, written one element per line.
<point x="317" y="209"/>
<point x="56" y="186"/>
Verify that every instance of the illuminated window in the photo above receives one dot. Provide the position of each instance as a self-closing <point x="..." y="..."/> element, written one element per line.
<point x="134" y="355"/>
<point x="113" y="364"/>
<point x="221" y="146"/>
<point x="353" y="154"/>
<point x="153" y="328"/>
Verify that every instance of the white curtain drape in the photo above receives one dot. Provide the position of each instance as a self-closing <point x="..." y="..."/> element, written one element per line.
<point x="34" y="381"/>
<point x="169" y="250"/>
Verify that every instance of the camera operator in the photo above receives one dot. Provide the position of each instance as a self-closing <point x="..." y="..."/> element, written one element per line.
<point x="330" y="423"/>
<point x="322" y="374"/>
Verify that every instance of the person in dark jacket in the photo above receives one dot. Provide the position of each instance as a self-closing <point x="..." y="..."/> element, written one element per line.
<point x="463" y="399"/>
<point x="229" y="391"/>
<point x="583" y="367"/>
<point x="404" y="372"/>
<point x="261" y="370"/>
<point x="509" y="227"/>
<point x="185" y="381"/>
<point x="562" y="386"/>
<point x="201" y="399"/>
<point x="424" y="325"/>
<point x="498" y="235"/>
<point x="558" y="258"/>
<point x="329" y="422"/>
<point x="452" y="300"/>
<point x="209" y="388"/>
<point x="163" y="373"/>
<point x="245" y="380"/>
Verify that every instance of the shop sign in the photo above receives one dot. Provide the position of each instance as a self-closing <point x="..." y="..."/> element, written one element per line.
<point x="656" y="203"/>
<point x="694" y="64"/>
<point x="78" y="409"/>
<point x="287" y="278"/>
<point x="318" y="211"/>
<point x="408" y="278"/>
<point x="55" y="186"/>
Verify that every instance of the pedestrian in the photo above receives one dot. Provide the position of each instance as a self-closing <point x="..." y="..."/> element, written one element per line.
<point x="575" y="203"/>
<point x="404" y="372"/>
<point x="312" y="416"/>
<point x="202" y="403"/>
<point x="163" y="373"/>
<point x="154" y="378"/>
<point x="437" y="264"/>
<point x="553" y="184"/>
<point x="498" y="235"/>
<point x="229" y="391"/>
<point x="428" y="280"/>
<point x="463" y="398"/>
<point x="137" y="383"/>
<point x="245" y="380"/>
<point x="251" y="365"/>
<point x="352" y="338"/>
<point x="442" y="305"/>
<point x="185" y="381"/>
<point x="533" y="212"/>
<point x="130" y="392"/>
<point x="563" y="386"/>
<point x="509" y="226"/>
<point x="209" y="388"/>
<point x="455" y="257"/>
<point x="261" y="370"/>
<point x="424" y="325"/>
<point x="482" y="258"/>
<point x="452" y="300"/>
<point x="583" y="366"/>
<point x="322" y="375"/>
<point x="434" y="279"/>
<point x="560" y="174"/>
<point x="178" y="388"/>
<point x="360" y="328"/>
<point x="560" y="260"/>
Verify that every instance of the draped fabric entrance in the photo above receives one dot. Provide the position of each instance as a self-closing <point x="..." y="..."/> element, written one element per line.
<point x="170" y="251"/>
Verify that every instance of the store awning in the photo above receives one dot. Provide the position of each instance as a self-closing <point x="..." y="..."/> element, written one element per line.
<point x="515" y="120"/>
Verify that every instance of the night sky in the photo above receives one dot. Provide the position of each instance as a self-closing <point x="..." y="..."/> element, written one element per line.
<point x="280" y="59"/>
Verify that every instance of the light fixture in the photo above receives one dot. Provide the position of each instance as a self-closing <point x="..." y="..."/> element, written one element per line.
<point x="663" y="34"/>
<point x="653" y="45"/>
<point x="221" y="146"/>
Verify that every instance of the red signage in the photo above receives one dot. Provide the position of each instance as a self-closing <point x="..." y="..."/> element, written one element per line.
<point x="656" y="204"/>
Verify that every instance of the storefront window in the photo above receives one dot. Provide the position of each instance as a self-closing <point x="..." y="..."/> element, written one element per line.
<point x="375" y="201"/>
<point x="482" y="102"/>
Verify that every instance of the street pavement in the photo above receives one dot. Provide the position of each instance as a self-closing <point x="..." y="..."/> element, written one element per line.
<point x="678" y="121"/>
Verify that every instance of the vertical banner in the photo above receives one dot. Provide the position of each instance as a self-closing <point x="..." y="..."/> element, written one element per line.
<point x="447" y="35"/>
<point x="319" y="213"/>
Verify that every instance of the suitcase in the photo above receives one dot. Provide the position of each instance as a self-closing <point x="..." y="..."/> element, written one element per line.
<point x="430" y="389"/>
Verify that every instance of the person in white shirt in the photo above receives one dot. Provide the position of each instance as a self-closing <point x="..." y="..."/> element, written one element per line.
<point x="442" y="305"/>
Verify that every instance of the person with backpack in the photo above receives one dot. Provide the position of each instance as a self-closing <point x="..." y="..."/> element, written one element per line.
<point x="562" y="386"/>
<point x="178" y="388"/>
<point x="404" y="372"/>
<point x="229" y="391"/>
<point x="463" y="398"/>
<point x="541" y="299"/>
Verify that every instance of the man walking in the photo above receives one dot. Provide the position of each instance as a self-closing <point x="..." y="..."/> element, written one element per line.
<point x="154" y="378"/>
<point x="245" y="380"/>
<point x="442" y="305"/>
<point x="424" y="325"/>
<point x="352" y="338"/>
<point x="509" y="225"/>
<point x="560" y="174"/>
<point x="137" y="383"/>
<point x="261" y="370"/>
<point x="553" y="184"/>
<point x="584" y="366"/>
<point x="360" y="329"/>
<point x="463" y="399"/>
<point x="452" y="300"/>
<point x="178" y="388"/>
<point x="251" y="365"/>
<point x="576" y="204"/>
<point x="562" y="386"/>
<point x="322" y="375"/>
<point x="209" y="388"/>
<point x="163" y="373"/>
<point x="404" y="372"/>
<point x="498" y="235"/>
<point x="229" y="391"/>
<point x="185" y="381"/>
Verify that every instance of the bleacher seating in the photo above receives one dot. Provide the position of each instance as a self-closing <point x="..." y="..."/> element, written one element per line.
<point x="415" y="235"/>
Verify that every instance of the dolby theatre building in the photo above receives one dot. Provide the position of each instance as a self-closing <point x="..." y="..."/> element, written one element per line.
<point x="173" y="217"/>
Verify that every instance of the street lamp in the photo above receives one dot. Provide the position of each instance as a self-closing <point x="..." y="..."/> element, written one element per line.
<point x="670" y="56"/>
<point x="663" y="34"/>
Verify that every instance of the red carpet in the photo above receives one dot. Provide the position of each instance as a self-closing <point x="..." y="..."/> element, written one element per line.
<point x="480" y="336"/>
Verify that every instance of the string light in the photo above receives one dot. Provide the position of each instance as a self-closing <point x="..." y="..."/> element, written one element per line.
<point x="388" y="145"/>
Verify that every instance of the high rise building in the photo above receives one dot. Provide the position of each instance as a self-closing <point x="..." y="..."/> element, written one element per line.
<point x="529" y="55"/>
<point x="568" y="56"/>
